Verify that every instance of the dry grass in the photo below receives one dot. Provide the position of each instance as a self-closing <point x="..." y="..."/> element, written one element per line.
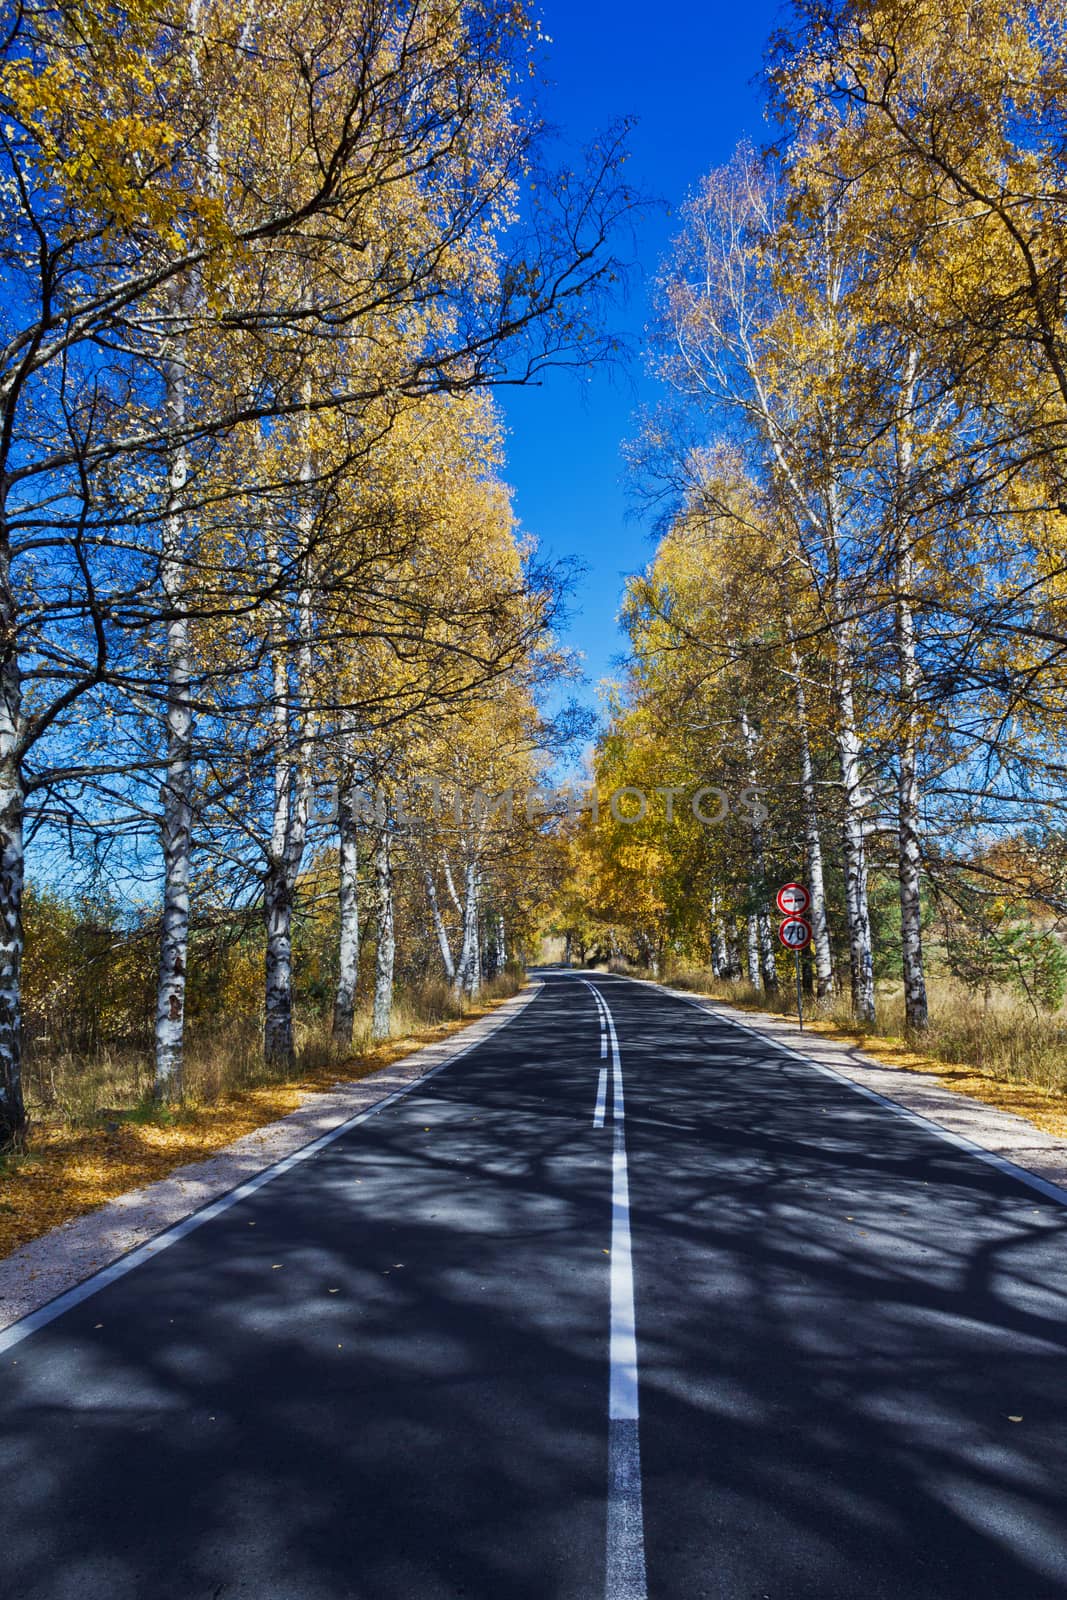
<point x="98" y="1136"/>
<point x="996" y="1052"/>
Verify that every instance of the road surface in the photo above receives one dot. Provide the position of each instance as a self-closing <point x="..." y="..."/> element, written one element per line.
<point x="625" y="1301"/>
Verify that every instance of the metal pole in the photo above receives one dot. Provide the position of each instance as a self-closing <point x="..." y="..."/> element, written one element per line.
<point x="800" y="993"/>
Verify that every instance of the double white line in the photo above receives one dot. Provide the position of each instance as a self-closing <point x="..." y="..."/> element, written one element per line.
<point x="626" y="1526"/>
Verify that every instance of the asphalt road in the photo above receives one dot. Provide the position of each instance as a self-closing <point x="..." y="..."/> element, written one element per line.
<point x="388" y="1373"/>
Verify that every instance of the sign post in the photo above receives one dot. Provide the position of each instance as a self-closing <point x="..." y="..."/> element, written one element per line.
<point x="795" y="930"/>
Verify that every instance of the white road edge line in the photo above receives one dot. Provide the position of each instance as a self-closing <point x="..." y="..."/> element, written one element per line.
<point x="1051" y="1191"/>
<point x="625" y="1577"/>
<point x="601" y="1098"/>
<point x="35" y="1320"/>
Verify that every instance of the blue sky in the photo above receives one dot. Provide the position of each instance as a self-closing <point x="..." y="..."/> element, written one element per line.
<point x="687" y="72"/>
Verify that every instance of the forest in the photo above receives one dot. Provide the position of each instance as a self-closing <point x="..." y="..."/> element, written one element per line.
<point x="263" y="268"/>
<point x="857" y="601"/>
<point x="274" y="638"/>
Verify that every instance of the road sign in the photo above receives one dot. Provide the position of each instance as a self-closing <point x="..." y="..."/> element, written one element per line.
<point x="793" y="899"/>
<point x="795" y="933"/>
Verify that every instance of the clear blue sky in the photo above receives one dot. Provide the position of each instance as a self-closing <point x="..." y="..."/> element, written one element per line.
<point x="687" y="71"/>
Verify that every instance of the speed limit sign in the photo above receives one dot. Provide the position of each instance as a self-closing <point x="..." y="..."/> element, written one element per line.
<point x="795" y="933"/>
<point x="793" y="899"/>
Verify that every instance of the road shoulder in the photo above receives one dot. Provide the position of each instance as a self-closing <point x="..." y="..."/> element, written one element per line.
<point x="57" y="1261"/>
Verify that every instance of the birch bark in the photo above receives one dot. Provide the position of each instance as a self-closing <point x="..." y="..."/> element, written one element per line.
<point x="468" y="972"/>
<point x="386" y="954"/>
<point x="758" y="886"/>
<point x="909" y="847"/>
<point x="752" y="949"/>
<point x="816" y="882"/>
<point x="277" y="892"/>
<point x="344" y="1007"/>
<point x="12" y="872"/>
<point x="295" y="728"/>
<point x="718" y="938"/>
<point x="439" y="927"/>
<point x="176" y="823"/>
<point x="857" y="909"/>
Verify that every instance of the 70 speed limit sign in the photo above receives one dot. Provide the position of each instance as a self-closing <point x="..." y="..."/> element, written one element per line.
<point x="795" y="933"/>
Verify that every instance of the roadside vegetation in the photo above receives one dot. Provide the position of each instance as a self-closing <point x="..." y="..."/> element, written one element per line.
<point x="271" y="635"/>
<point x="846" y="656"/>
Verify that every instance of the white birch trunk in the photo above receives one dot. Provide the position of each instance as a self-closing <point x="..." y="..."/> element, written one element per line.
<point x="386" y="954"/>
<point x="764" y="934"/>
<point x="176" y="825"/>
<point x="450" y="885"/>
<point x="12" y="871"/>
<point x="344" y="1007"/>
<point x="752" y="949"/>
<point x="277" y="900"/>
<point x="468" y="972"/>
<point x="719" y="959"/>
<point x="292" y="803"/>
<point x="816" y="882"/>
<point x="857" y="909"/>
<point x="443" y="943"/>
<point x="909" y="849"/>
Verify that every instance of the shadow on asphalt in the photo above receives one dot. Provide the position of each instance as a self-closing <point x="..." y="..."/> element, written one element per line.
<point x="384" y="1375"/>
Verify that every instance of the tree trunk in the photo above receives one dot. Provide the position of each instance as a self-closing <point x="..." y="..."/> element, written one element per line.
<point x="856" y="903"/>
<point x="909" y="852"/>
<point x="733" y="952"/>
<point x="439" y="927"/>
<point x="386" y="955"/>
<point x="752" y="949"/>
<point x="820" y="926"/>
<point x="283" y="862"/>
<point x="176" y="795"/>
<point x="12" y="805"/>
<point x="764" y="934"/>
<point x="278" y="912"/>
<point x="719" y="959"/>
<point x="909" y="856"/>
<point x="293" y="745"/>
<point x="469" y="974"/>
<point x="344" y="1007"/>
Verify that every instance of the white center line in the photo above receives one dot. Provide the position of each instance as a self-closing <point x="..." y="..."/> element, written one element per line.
<point x="601" y="1098"/>
<point x="625" y="1579"/>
